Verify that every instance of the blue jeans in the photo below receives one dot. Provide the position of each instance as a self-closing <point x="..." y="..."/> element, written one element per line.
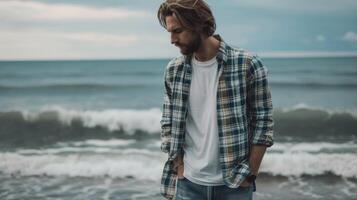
<point x="187" y="190"/>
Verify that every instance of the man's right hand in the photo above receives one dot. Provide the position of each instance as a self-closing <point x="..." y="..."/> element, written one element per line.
<point x="180" y="171"/>
<point x="178" y="166"/>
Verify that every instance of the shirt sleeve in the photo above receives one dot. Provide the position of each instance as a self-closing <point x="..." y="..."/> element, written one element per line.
<point x="166" y="113"/>
<point x="260" y="107"/>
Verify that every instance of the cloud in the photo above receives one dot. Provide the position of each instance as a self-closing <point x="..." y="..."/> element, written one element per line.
<point x="43" y="44"/>
<point x="45" y="37"/>
<point x="300" y="5"/>
<point x="32" y="10"/>
<point x="350" y="36"/>
<point x="30" y="44"/>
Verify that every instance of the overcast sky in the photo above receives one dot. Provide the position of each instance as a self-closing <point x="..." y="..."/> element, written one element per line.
<point x="116" y="29"/>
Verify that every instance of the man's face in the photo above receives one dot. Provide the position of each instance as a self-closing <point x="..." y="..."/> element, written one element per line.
<point x="188" y="41"/>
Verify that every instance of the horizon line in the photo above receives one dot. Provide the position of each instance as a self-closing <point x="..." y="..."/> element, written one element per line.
<point x="268" y="54"/>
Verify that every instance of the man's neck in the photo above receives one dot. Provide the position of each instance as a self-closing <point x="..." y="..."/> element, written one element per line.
<point x="208" y="49"/>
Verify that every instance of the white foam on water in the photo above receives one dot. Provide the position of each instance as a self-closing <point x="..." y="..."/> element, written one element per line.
<point x="63" y="150"/>
<point x="73" y="150"/>
<point x="297" y="164"/>
<point x="112" y="119"/>
<point x="312" y="147"/>
<point x="102" y="143"/>
<point x="131" y="120"/>
<point x="146" y="164"/>
<point x="109" y="158"/>
<point x="139" y="166"/>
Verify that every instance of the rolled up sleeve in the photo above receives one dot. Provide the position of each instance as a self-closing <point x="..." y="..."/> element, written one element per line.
<point x="166" y="113"/>
<point x="260" y="106"/>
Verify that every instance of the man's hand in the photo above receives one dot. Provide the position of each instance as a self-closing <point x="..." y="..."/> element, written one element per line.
<point x="180" y="171"/>
<point x="178" y="166"/>
<point x="245" y="183"/>
<point x="256" y="157"/>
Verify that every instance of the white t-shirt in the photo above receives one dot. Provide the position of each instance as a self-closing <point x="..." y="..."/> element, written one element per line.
<point x="201" y="159"/>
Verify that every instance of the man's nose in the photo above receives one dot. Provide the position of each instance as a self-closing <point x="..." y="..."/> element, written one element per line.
<point x="173" y="39"/>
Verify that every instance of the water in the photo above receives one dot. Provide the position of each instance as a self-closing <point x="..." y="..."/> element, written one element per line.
<point x="90" y="129"/>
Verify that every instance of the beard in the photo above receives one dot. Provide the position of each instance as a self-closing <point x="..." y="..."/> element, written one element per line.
<point x="192" y="46"/>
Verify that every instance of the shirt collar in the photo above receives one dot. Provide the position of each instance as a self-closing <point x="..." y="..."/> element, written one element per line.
<point x="222" y="51"/>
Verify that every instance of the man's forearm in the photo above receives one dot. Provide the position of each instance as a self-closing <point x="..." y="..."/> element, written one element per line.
<point x="256" y="157"/>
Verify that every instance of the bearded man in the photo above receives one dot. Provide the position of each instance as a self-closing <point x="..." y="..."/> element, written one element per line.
<point x="217" y="111"/>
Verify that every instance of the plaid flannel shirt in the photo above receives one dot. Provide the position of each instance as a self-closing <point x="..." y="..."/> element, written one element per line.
<point x="244" y="113"/>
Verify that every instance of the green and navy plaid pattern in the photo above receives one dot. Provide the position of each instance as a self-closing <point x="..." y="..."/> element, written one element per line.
<point x="244" y="113"/>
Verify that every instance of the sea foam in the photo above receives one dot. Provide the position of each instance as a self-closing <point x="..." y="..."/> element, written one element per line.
<point x="112" y="119"/>
<point x="144" y="163"/>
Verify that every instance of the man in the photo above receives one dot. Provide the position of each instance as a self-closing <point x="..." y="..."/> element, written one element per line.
<point x="217" y="112"/>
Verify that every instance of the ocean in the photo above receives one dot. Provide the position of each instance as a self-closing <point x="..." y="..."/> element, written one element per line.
<point x="90" y="129"/>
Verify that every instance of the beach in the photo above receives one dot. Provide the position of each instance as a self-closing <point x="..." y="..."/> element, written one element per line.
<point x="91" y="129"/>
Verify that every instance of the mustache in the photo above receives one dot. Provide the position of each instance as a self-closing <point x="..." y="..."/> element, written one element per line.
<point x="176" y="44"/>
